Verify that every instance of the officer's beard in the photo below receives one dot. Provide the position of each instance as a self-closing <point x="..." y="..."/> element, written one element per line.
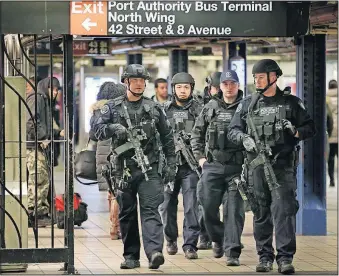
<point x="183" y="100"/>
<point x="138" y="95"/>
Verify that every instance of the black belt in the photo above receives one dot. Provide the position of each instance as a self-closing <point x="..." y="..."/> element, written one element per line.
<point x="226" y="157"/>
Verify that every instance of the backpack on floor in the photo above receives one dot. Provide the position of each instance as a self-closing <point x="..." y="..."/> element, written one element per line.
<point x="80" y="210"/>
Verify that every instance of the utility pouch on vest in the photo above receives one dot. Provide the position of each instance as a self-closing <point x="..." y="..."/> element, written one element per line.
<point x="221" y="139"/>
<point x="212" y="138"/>
<point x="180" y="125"/>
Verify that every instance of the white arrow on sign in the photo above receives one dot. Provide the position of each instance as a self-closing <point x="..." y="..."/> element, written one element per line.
<point x="87" y="24"/>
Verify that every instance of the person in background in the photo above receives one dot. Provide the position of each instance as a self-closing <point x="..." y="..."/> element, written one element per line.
<point x="38" y="175"/>
<point x="107" y="91"/>
<point x="213" y="86"/>
<point x="161" y="92"/>
<point x="332" y="100"/>
<point x="29" y="88"/>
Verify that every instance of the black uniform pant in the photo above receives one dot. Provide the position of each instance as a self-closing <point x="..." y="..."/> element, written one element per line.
<point x="278" y="208"/>
<point x="187" y="180"/>
<point x="333" y="152"/>
<point x="217" y="189"/>
<point x="150" y="197"/>
<point x="203" y="232"/>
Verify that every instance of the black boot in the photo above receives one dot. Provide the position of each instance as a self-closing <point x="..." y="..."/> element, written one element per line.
<point x="172" y="248"/>
<point x="130" y="264"/>
<point x="157" y="260"/>
<point x="204" y="244"/>
<point x="332" y="183"/>
<point x="218" y="250"/>
<point x="286" y="267"/>
<point x="264" y="266"/>
<point x="191" y="254"/>
<point x="232" y="261"/>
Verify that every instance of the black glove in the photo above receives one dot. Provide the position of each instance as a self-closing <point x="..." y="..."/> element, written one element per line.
<point x="289" y="127"/>
<point x="169" y="173"/>
<point x="119" y="131"/>
<point x="248" y="143"/>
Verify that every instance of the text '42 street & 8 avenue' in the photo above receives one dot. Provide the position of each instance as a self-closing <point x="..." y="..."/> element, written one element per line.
<point x="177" y="18"/>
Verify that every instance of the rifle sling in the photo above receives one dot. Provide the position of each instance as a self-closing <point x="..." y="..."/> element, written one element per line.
<point x="123" y="148"/>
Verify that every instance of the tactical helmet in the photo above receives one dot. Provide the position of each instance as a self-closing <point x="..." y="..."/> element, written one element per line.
<point x="183" y="78"/>
<point x="135" y="71"/>
<point x="180" y="78"/>
<point x="266" y="66"/>
<point x="214" y="79"/>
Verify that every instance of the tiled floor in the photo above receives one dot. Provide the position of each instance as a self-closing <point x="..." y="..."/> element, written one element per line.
<point x="95" y="253"/>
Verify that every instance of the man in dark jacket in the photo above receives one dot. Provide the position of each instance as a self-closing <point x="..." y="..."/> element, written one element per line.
<point x="181" y="113"/>
<point x="139" y="129"/>
<point x="212" y="89"/>
<point x="39" y="175"/>
<point x="270" y="124"/>
<point x="221" y="162"/>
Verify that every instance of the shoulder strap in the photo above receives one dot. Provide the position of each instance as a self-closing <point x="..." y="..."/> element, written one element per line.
<point x="167" y="105"/>
<point x="254" y="100"/>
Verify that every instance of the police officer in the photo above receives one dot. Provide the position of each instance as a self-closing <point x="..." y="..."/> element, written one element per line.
<point x="212" y="89"/>
<point x="182" y="112"/>
<point x="280" y="121"/>
<point x="213" y="86"/>
<point x="221" y="163"/>
<point x="148" y="118"/>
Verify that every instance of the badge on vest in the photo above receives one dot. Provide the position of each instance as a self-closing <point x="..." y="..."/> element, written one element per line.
<point x="180" y="115"/>
<point x="267" y="110"/>
<point x="225" y="117"/>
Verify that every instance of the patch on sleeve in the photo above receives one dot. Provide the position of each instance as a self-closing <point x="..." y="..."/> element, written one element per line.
<point x="301" y="104"/>
<point x="104" y="109"/>
<point x="239" y="108"/>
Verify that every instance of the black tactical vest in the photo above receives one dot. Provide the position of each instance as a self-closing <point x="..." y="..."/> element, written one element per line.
<point x="182" y="119"/>
<point x="267" y="119"/>
<point x="216" y="134"/>
<point x="145" y="119"/>
<point x="218" y="147"/>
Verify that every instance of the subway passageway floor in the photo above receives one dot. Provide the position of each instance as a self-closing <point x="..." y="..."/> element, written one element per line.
<point x="96" y="253"/>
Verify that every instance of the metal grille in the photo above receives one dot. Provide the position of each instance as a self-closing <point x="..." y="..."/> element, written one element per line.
<point x="15" y="61"/>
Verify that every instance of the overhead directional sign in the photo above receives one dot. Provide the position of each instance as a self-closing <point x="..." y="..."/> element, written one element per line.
<point x="88" y="18"/>
<point x="156" y="18"/>
<point x="188" y="18"/>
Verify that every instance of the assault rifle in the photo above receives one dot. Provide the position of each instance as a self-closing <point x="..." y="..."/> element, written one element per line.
<point x="134" y="136"/>
<point x="263" y="151"/>
<point x="162" y="157"/>
<point x="246" y="192"/>
<point x="180" y="139"/>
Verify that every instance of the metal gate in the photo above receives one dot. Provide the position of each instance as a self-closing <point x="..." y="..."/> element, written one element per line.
<point x="16" y="63"/>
